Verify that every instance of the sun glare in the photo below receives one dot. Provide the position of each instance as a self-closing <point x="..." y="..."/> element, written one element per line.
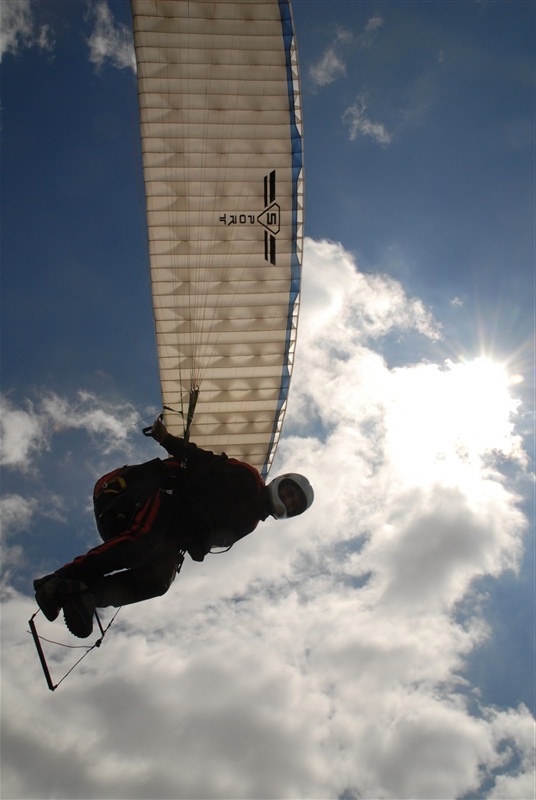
<point x="479" y="406"/>
<point x="443" y="418"/>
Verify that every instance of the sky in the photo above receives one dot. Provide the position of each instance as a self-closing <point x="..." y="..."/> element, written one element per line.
<point x="382" y="645"/>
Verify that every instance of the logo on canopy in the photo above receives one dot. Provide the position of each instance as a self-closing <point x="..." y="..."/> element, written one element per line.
<point x="269" y="218"/>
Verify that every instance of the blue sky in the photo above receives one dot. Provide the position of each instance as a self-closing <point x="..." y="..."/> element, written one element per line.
<point x="386" y="642"/>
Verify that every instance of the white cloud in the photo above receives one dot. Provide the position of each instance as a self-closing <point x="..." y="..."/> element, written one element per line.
<point x="328" y="69"/>
<point x="320" y="657"/>
<point x="513" y="733"/>
<point x="22" y="434"/>
<point x="26" y="432"/>
<point x="110" y="42"/>
<point x="15" y="513"/>
<point x="360" y="124"/>
<point x="331" y="64"/>
<point x="373" y="25"/>
<point x="357" y="307"/>
<point x="19" y="28"/>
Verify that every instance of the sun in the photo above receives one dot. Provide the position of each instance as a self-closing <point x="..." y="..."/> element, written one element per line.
<point x="482" y="403"/>
<point x="443" y="417"/>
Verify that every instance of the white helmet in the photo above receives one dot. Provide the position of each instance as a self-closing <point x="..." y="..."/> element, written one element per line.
<point x="277" y="507"/>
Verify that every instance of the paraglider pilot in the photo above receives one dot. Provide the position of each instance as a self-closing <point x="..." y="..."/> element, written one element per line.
<point x="150" y="514"/>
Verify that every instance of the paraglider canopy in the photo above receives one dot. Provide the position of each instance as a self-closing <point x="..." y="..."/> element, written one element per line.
<point x="222" y="154"/>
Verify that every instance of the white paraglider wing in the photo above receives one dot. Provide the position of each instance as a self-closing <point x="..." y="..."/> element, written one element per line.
<point x="222" y="156"/>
